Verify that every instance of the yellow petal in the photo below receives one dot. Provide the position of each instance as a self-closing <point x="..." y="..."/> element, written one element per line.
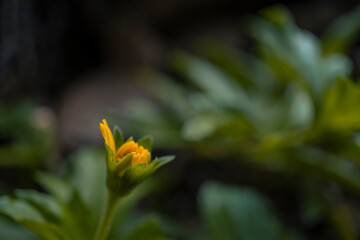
<point x="127" y="148"/>
<point x="141" y="149"/>
<point x="141" y="157"/>
<point x="108" y="137"/>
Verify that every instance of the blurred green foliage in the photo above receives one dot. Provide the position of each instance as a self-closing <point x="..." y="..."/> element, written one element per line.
<point x="72" y="206"/>
<point x="288" y="104"/>
<point x="27" y="134"/>
<point x="232" y="213"/>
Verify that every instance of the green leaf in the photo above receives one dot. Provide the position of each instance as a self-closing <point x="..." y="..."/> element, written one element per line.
<point x="146" y="142"/>
<point x="301" y="109"/>
<point x="334" y="66"/>
<point x="58" y="188"/>
<point x="19" y="209"/>
<point x="26" y="215"/>
<point x="248" y="70"/>
<point x="163" y="160"/>
<point x="148" y="229"/>
<point x="44" y="230"/>
<point x="118" y="137"/>
<point x="11" y="230"/>
<point x="44" y="203"/>
<point x="202" y="126"/>
<point x="78" y="223"/>
<point x="293" y="54"/>
<point x="233" y="213"/>
<point x="312" y="161"/>
<point x="342" y="34"/>
<point x="88" y="168"/>
<point x="340" y="107"/>
<point x="213" y="81"/>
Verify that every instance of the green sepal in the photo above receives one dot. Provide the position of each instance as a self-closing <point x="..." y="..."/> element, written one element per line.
<point x="110" y="158"/>
<point x="133" y="176"/>
<point x="118" y="137"/>
<point x="129" y="139"/>
<point x="123" y="164"/>
<point x="146" y="142"/>
<point x="163" y="160"/>
<point x="138" y="172"/>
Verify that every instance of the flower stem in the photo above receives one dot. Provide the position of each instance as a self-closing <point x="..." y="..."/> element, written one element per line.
<point x="104" y="226"/>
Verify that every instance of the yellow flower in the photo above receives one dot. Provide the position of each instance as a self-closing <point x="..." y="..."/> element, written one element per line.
<point x="129" y="163"/>
<point x="139" y="153"/>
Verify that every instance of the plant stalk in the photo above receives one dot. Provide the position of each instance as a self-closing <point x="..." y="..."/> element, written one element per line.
<point x="104" y="226"/>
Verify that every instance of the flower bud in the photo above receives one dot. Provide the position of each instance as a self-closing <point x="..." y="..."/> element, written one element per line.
<point x="128" y="163"/>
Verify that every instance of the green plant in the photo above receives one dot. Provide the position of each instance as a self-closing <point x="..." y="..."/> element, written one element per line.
<point x="289" y="104"/>
<point x="238" y="213"/>
<point x="72" y="205"/>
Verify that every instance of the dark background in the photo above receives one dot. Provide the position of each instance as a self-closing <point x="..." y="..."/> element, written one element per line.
<point x="47" y="46"/>
<point x="69" y="54"/>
